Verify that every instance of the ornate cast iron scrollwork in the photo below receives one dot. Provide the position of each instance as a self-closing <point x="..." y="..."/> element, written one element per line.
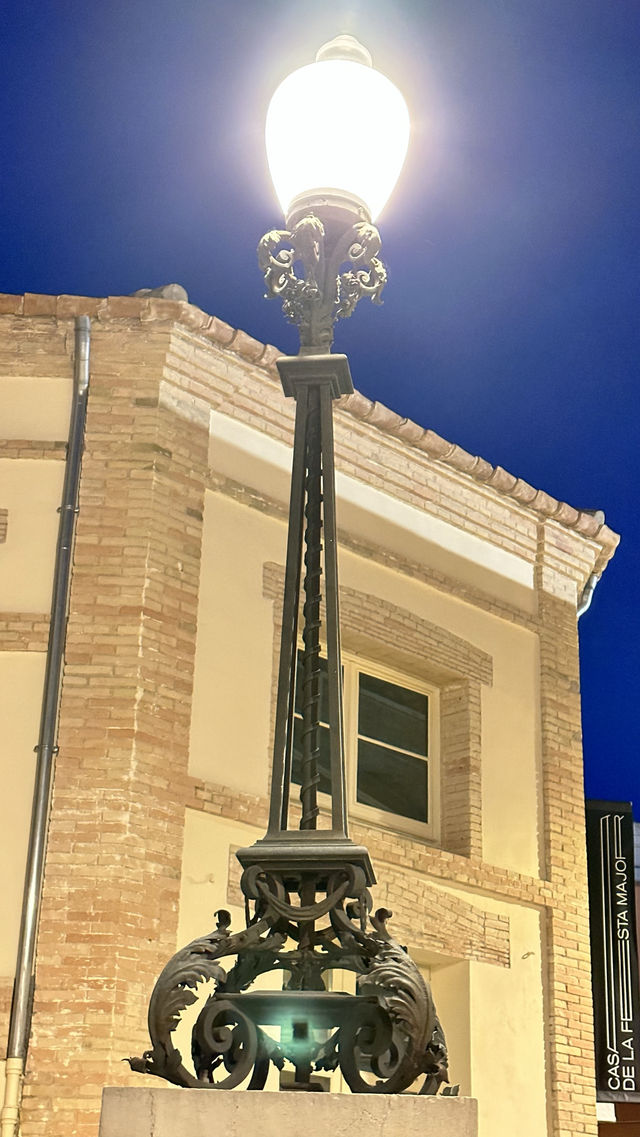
<point x="323" y="294"/>
<point x="307" y="901"/>
<point x="382" y="1039"/>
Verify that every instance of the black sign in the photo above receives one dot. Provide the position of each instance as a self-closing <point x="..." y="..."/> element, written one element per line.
<point x="614" y="950"/>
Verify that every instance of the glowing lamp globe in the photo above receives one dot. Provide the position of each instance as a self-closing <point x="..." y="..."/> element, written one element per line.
<point x="337" y="130"/>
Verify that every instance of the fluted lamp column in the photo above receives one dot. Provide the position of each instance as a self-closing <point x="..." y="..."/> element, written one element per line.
<point x="337" y="133"/>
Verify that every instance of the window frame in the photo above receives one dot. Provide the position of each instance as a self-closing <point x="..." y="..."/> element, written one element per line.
<point x="353" y="665"/>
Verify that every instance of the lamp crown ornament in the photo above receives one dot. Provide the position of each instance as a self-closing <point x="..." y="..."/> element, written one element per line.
<point x="308" y="907"/>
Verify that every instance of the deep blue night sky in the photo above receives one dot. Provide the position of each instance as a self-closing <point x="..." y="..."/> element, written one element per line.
<point x="132" y="156"/>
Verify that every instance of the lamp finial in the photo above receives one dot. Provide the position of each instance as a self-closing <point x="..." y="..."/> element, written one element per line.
<point x="345" y="47"/>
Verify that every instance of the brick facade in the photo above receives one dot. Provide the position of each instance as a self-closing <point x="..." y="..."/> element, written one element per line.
<point x="567" y="920"/>
<point x="110" y="902"/>
<point x="122" y="783"/>
<point x="24" y="631"/>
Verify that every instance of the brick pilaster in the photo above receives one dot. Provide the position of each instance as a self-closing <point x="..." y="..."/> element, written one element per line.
<point x="461" y="775"/>
<point x="569" y="1011"/>
<point x="110" y="903"/>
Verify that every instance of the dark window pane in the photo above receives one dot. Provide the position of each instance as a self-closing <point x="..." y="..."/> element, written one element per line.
<point x="324" y="696"/>
<point x="392" y="714"/>
<point x="323" y="758"/>
<point x="393" y="782"/>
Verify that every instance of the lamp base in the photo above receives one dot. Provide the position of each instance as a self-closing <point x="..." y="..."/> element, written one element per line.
<point x="337" y="209"/>
<point x="147" y="1111"/>
<point x="291" y="854"/>
<point x="308" y="914"/>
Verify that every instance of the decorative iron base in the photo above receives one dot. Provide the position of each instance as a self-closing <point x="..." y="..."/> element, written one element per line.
<point x="382" y="1038"/>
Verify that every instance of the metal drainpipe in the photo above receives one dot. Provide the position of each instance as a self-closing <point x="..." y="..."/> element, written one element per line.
<point x="587" y="593"/>
<point x="21" y="1007"/>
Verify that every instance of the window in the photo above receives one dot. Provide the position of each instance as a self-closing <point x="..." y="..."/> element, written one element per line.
<point x="389" y="723"/>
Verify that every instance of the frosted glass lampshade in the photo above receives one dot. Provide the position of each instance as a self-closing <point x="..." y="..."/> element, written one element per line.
<point x="337" y="125"/>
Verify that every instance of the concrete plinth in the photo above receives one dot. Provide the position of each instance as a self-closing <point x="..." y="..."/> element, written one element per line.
<point x="147" y="1112"/>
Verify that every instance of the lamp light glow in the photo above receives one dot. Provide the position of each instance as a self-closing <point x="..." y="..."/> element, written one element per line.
<point x="337" y="126"/>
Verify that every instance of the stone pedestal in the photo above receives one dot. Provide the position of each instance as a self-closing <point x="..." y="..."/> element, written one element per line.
<point x="150" y="1112"/>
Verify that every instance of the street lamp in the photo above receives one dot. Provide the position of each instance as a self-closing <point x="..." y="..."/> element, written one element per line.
<point x="337" y="134"/>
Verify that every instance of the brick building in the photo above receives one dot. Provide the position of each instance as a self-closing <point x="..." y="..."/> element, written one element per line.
<point x="459" y="585"/>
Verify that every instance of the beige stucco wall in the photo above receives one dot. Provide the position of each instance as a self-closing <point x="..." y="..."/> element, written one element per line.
<point x="507" y="1023"/>
<point x="230" y="722"/>
<point x="35" y="407"/>
<point x="21" y="677"/>
<point x="234" y="652"/>
<point x="205" y="870"/>
<point x="451" y="987"/>
<point x="30" y="490"/>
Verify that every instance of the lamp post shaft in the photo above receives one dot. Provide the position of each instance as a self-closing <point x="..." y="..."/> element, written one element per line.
<point x="312" y="526"/>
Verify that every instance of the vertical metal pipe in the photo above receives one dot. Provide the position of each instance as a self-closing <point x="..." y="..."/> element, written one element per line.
<point x="20" y="1020"/>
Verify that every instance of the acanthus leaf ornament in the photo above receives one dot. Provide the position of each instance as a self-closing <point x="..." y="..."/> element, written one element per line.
<point x="382" y="1039"/>
<point x="324" y="293"/>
